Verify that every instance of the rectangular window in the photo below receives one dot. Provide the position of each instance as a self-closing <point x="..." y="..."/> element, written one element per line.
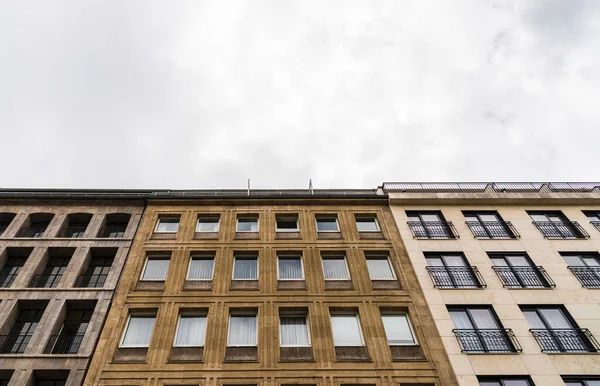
<point x="555" y="225"/>
<point x="207" y="224"/>
<point x="138" y="331"/>
<point x="346" y="330"/>
<point x="505" y="381"/>
<point x="287" y="223"/>
<point x="581" y="381"/>
<point x="397" y="329"/>
<point x="242" y="330"/>
<point x="335" y="268"/>
<point x="380" y="268"/>
<point x="479" y="331"/>
<point x="167" y="225"/>
<point x="201" y="268"/>
<point x="245" y="268"/>
<point x="452" y="270"/>
<point x="516" y="270"/>
<point x="247" y="224"/>
<point x="327" y="224"/>
<point x="489" y="225"/>
<point x="290" y="268"/>
<point x="585" y="266"/>
<point x="293" y="331"/>
<point x="156" y="269"/>
<point x="367" y="224"/>
<point x="430" y="225"/>
<point x="11" y="269"/>
<point x="190" y="331"/>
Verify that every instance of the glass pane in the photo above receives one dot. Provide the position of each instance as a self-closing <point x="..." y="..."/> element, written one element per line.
<point x="287" y="225"/>
<point x="499" y="262"/>
<point x="156" y="269"/>
<point x="247" y="226"/>
<point x="346" y="330"/>
<point x="327" y="225"/>
<point x="573" y="260"/>
<point x="201" y="269"/>
<point x="555" y="318"/>
<point x="190" y="331"/>
<point x="167" y="226"/>
<point x="397" y="329"/>
<point x="431" y="217"/>
<point x="483" y="319"/>
<point x="435" y="262"/>
<point x="139" y="331"/>
<point x="242" y="331"/>
<point x="534" y="319"/>
<point x="454" y="260"/>
<point x="207" y="226"/>
<point x="489" y="217"/>
<point x="489" y="383"/>
<point x="461" y="320"/>
<point x="518" y="261"/>
<point x="367" y="225"/>
<point x="591" y="261"/>
<point x="516" y="382"/>
<point x="245" y="269"/>
<point x="335" y="269"/>
<point x="294" y="331"/>
<point x="379" y="269"/>
<point x="539" y="217"/>
<point x="290" y="268"/>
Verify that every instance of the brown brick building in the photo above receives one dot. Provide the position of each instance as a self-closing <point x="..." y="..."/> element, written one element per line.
<point x="269" y="288"/>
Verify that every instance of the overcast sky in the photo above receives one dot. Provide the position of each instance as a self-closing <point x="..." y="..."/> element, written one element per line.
<point x="205" y="94"/>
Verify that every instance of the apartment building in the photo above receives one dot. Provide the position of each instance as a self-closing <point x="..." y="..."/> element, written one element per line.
<point x="269" y="288"/>
<point x="511" y="274"/>
<point x="61" y="255"/>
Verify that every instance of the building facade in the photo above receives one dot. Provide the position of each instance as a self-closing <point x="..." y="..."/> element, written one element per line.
<point x="61" y="255"/>
<point x="511" y="274"/>
<point x="269" y="288"/>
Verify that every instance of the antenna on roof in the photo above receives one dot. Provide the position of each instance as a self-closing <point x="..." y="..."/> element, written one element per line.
<point x="310" y="186"/>
<point x="248" y="186"/>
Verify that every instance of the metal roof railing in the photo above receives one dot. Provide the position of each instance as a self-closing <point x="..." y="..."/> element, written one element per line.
<point x="474" y="187"/>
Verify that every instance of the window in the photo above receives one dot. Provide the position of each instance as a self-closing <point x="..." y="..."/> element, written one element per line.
<point x="98" y="269"/>
<point x="138" y="331"/>
<point x="293" y="330"/>
<point x="167" y="225"/>
<point x="451" y="270"/>
<point x="15" y="259"/>
<point x="73" y="330"/>
<point x="335" y="268"/>
<point x="397" y="329"/>
<point x="156" y="269"/>
<point x="430" y="225"/>
<point x="22" y="331"/>
<point x="207" y="224"/>
<point x="49" y="378"/>
<point x="53" y="272"/>
<point x="287" y="223"/>
<point x="581" y="381"/>
<point x="247" y="223"/>
<point x="36" y="225"/>
<point x="115" y="225"/>
<point x="505" y="381"/>
<point x="242" y="330"/>
<point x="478" y="330"/>
<point x="585" y="266"/>
<point x="592" y="215"/>
<point x="555" y="330"/>
<point x="201" y="268"/>
<point x="190" y="330"/>
<point x="346" y="330"/>
<point x="516" y="270"/>
<point x="366" y="223"/>
<point x="5" y="220"/>
<point x="489" y="225"/>
<point x="289" y="267"/>
<point x="554" y="225"/>
<point x="380" y="268"/>
<point x="75" y="225"/>
<point x="245" y="268"/>
<point x="327" y="224"/>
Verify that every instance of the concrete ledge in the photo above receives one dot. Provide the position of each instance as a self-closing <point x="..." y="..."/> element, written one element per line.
<point x="287" y="236"/>
<point x="352" y="353"/>
<point x="338" y="285"/>
<point x="206" y="235"/>
<point x="329" y="236"/>
<point x="241" y="354"/>
<point x="385" y="284"/>
<point x="248" y="285"/>
<point x="246" y="236"/>
<point x="371" y="235"/>
<point x="204" y="285"/>
<point x="133" y="354"/>
<point x="186" y="354"/>
<point x="293" y="354"/>
<point x="291" y="284"/>
<point x="407" y="353"/>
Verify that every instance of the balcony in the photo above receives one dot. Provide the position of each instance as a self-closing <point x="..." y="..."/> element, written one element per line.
<point x="7" y="280"/>
<point x="91" y="281"/>
<point x="589" y="277"/>
<point x="561" y="230"/>
<point x="14" y="343"/>
<point x="32" y="232"/>
<point x="568" y="340"/>
<point x="433" y="230"/>
<point x="489" y="341"/>
<point x="493" y="230"/>
<point x="524" y="277"/>
<point x="594" y="223"/>
<point x="456" y="277"/>
<point x="72" y="232"/>
<point x="64" y="344"/>
<point x="45" y="281"/>
<point x="112" y="232"/>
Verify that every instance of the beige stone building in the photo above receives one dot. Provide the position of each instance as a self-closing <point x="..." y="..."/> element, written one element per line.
<point x="511" y="274"/>
<point x="61" y="255"/>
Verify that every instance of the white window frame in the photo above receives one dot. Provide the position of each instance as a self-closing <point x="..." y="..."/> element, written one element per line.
<point x="335" y="217"/>
<point x="155" y="258"/>
<point x="167" y="218"/>
<point x="360" y="331"/>
<point x="200" y="257"/>
<point x="376" y="257"/>
<point x="229" y="328"/>
<point x="288" y="257"/>
<point x="140" y="314"/>
<point x="297" y="229"/>
<point x="177" y="329"/>
<point x="363" y="217"/>
<point x="237" y="223"/>
<point x="305" y="316"/>
<point x="242" y="257"/>
<point x="208" y="215"/>
<point x="410" y="328"/>
<point x="331" y="257"/>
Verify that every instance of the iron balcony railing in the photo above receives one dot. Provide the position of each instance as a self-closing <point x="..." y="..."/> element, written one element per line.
<point x="589" y="277"/>
<point x="7" y="280"/>
<point x="487" y="341"/>
<point x="433" y="230"/>
<point x="565" y="340"/>
<point x="14" y="343"/>
<point x="45" y="281"/>
<point x="493" y="230"/>
<point x="456" y="277"/>
<point x="33" y="232"/>
<point x="72" y="232"/>
<point x="594" y="223"/>
<point x="561" y="230"/>
<point x="524" y="277"/>
<point x="91" y="281"/>
<point x="64" y="344"/>
<point x="112" y="232"/>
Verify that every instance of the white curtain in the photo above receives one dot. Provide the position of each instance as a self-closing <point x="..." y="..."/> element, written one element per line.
<point x="483" y="319"/>
<point x="346" y="330"/>
<point x="190" y="331"/>
<point x="379" y="269"/>
<point x="245" y="269"/>
<point x="156" y="269"/>
<point x="294" y="331"/>
<point x="139" y="331"/>
<point x="335" y="269"/>
<point x="461" y="320"/>
<point x="242" y="330"/>
<point x="290" y="268"/>
<point x="397" y="329"/>
<point x="201" y="269"/>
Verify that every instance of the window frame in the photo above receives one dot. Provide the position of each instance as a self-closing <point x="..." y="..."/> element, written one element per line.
<point x="217" y="216"/>
<point x="124" y="334"/>
<point x="242" y="313"/>
<point x="167" y="218"/>
<point x="284" y="256"/>
<point x="410" y="327"/>
<point x="248" y="216"/>
<point x="370" y="217"/>
<point x="157" y="257"/>
<point x="380" y="257"/>
<point x="501" y="379"/>
<point x="307" y="324"/>
<point x="242" y="257"/>
<point x="190" y="314"/>
<point x="200" y="257"/>
<point x="332" y="257"/>
<point x="324" y="216"/>
<point x="283" y="216"/>
<point x="360" y="330"/>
